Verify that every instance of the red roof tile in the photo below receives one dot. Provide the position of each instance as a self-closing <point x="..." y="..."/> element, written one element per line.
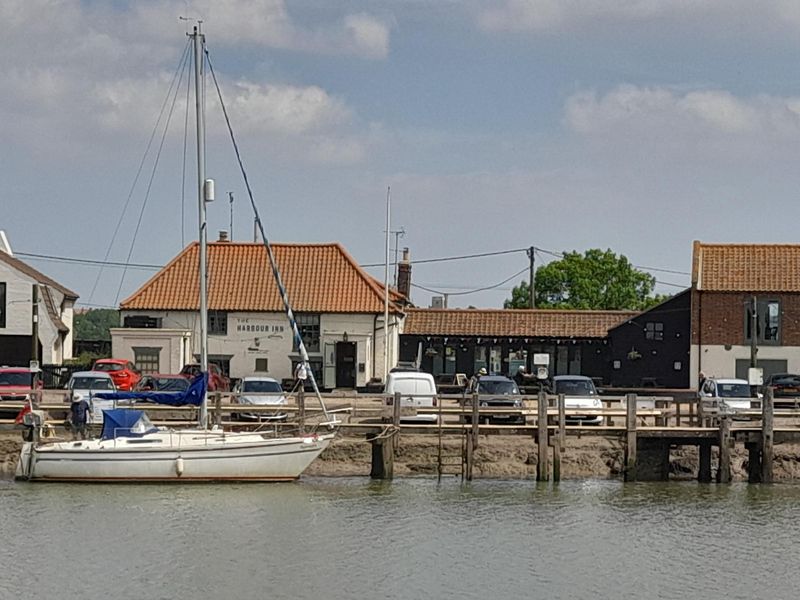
<point x="318" y="278"/>
<point x="746" y="267"/>
<point x="513" y="323"/>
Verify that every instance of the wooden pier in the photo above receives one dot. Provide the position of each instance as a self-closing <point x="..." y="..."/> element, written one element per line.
<point x="647" y="434"/>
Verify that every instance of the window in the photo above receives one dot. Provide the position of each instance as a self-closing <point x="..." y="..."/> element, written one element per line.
<point x="767" y="322"/>
<point x="147" y="359"/>
<point x="262" y="366"/>
<point x="217" y="322"/>
<point x="142" y="322"/>
<point x="653" y="331"/>
<point x="2" y="305"/>
<point x="309" y="331"/>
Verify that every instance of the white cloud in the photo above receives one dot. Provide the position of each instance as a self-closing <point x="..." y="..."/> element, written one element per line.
<point x="659" y="112"/>
<point x="551" y="15"/>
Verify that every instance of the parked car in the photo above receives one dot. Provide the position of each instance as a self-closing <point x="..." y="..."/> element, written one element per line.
<point x="16" y="383"/>
<point x="417" y="390"/>
<point x="217" y="381"/>
<point x="260" y="391"/>
<point x="497" y="391"/>
<point x="731" y="396"/>
<point x="579" y="393"/>
<point x="123" y="372"/>
<point x="83" y="385"/>
<point x="156" y="382"/>
<point x="784" y="385"/>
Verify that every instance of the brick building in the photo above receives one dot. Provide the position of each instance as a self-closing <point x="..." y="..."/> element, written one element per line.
<point x="740" y="291"/>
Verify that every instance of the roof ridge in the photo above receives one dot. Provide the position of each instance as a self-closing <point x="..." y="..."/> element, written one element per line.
<point x="40" y="277"/>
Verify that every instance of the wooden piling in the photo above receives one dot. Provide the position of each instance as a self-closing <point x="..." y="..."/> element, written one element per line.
<point x="767" y="439"/>
<point x="470" y="456"/>
<point x="630" y="438"/>
<point x="704" y="472"/>
<point x="562" y="421"/>
<point x="396" y="420"/>
<point x="382" y="455"/>
<point x="301" y="409"/>
<point x="556" y="459"/>
<point x="724" y="469"/>
<point x="542" y="460"/>
<point x="753" y="461"/>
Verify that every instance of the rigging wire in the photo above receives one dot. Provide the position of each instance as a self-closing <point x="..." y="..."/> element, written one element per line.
<point x="179" y="75"/>
<point x="138" y="173"/>
<point x="183" y="169"/>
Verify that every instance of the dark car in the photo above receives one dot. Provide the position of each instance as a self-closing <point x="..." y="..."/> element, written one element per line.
<point x="163" y="383"/>
<point x="217" y="382"/>
<point x="496" y="391"/>
<point x="786" y="385"/>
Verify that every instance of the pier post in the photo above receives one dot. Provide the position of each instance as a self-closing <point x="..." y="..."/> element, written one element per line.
<point x="562" y="420"/>
<point x="301" y="409"/>
<point x="470" y="457"/>
<point x="396" y="421"/>
<point x="724" y="469"/>
<point x="767" y="439"/>
<point x="753" y="461"/>
<point x="630" y="438"/>
<point x="704" y="472"/>
<point x="218" y="408"/>
<point x="382" y="455"/>
<point x="542" y="460"/>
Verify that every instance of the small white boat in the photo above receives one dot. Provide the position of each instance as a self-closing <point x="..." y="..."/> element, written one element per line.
<point x="163" y="455"/>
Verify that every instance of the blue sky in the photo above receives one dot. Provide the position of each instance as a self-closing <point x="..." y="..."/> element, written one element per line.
<point x="635" y="125"/>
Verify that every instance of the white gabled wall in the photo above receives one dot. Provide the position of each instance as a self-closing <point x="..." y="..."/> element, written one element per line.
<point x="252" y="335"/>
<point x="720" y="361"/>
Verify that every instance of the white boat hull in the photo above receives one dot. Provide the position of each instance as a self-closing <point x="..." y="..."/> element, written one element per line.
<point x="175" y="456"/>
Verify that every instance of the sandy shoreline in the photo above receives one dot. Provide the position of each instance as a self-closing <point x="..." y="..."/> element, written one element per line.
<point x="500" y="457"/>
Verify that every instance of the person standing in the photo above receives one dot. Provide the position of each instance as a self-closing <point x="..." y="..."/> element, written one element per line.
<point x="473" y="382"/>
<point x="79" y="416"/>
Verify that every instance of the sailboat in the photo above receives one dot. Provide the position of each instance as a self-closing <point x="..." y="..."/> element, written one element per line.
<point x="131" y="449"/>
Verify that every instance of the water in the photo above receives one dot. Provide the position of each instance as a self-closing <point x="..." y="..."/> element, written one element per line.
<point x="411" y="538"/>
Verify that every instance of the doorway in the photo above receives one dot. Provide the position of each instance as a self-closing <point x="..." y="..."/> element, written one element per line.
<point x="345" y="364"/>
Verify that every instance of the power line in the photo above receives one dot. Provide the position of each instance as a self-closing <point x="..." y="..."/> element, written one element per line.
<point x="88" y="261"/>
<point x="451" y="258"/>
<point x="482" y="289"/>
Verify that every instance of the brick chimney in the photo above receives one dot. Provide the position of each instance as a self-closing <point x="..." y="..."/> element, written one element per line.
<point x="223" y="236"/>
<point x="404" y="274"/>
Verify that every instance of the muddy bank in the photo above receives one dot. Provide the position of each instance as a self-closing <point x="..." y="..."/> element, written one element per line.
<point x="510" y="457"/>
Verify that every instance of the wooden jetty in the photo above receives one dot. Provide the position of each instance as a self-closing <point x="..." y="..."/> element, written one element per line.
<point x="647" y="434"/>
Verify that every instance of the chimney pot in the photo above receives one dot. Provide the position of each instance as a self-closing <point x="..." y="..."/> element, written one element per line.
<point x="223" y="236"/>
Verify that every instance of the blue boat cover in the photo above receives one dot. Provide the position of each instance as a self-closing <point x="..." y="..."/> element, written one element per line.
<point x="125" y="422"/>
<point x="193" y="395"/>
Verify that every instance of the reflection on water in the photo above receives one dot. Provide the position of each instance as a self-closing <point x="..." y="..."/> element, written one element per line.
<point x="411" y="538"/>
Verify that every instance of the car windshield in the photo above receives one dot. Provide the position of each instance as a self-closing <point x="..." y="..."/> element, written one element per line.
<point x="168" y="384"/>
<point x="786" y="380"/>
<point x="575" y="387"/>
<point x="497" y="387"/>
<point x="15" y="379"/>
<point x="733" y="390"/>
<point x="91" y="383"/>
<point x="262" y="387"/>
<point x="108" y="367"/>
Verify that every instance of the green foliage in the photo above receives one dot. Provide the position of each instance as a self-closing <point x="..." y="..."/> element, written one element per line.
<point x="85" y="360"/>
<point x="596" y="279"/>
<point x="95" y="323"/>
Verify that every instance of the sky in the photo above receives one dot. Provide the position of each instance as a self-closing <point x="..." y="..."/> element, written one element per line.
<point x="634" y="125"/>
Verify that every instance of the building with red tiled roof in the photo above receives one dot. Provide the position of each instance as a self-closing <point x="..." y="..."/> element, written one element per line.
<point x="339" y="309"/>
<point x="19" y="285"/>
<point x="500" y="340"/>
<point x="739" y="289"/>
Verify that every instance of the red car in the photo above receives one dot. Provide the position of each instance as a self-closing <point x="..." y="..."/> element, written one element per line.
<point x="217" y="382"/>
<point x="15" y="383"/>
<point x="123" y="372"/>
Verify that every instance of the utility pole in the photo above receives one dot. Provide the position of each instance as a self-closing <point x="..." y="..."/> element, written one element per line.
<point x="397" y="235"/>
<point x="35" y="334"/>
<point x="531" y="255"/>
<point x="754" y="333"/>
<point x="230" y="201"/>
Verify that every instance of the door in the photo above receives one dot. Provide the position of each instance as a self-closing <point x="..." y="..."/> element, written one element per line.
<point x="346" y="364"/>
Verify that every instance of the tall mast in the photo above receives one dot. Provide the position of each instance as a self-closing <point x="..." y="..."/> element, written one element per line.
<point x="386" y="288"/>
<point x="199" y="41"/>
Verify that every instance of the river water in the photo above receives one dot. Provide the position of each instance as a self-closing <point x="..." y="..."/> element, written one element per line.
<point x="337" y="538"/>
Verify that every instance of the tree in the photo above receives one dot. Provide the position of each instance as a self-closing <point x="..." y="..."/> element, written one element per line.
<point x="596" y="279"/>
<point x="94" y="323"/>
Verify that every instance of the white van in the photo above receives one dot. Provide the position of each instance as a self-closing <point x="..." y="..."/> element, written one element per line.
<point x="417" y="390"/>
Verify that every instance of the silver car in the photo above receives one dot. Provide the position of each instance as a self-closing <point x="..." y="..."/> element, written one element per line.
<point x="260" y="391"/>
